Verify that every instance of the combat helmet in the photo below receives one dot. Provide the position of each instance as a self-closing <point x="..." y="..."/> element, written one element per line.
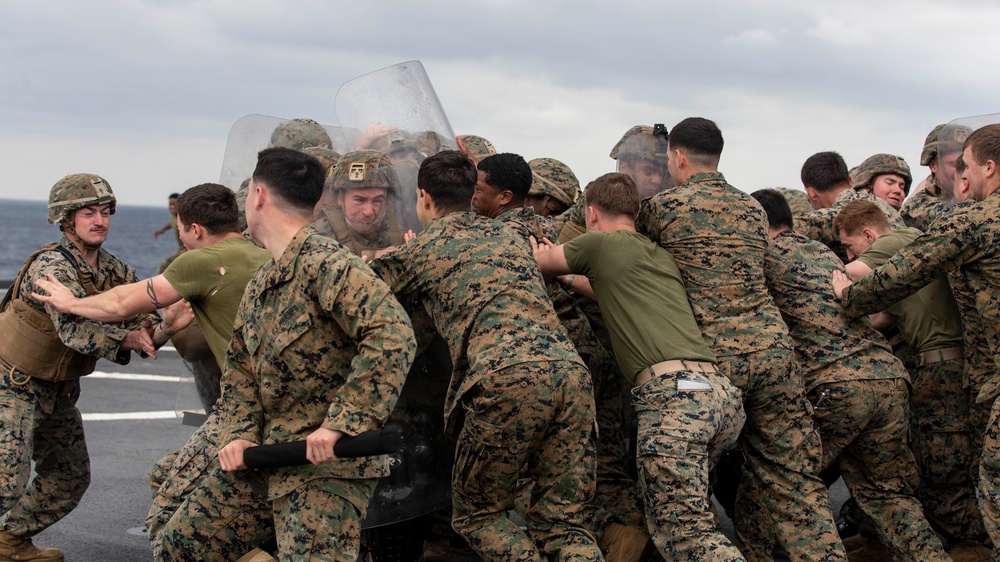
<point x="874" y="166"/>
<point x="77" y="191"/>
<point x="550" y="177"/>
<point x="300" y="133"/>
<point x="363" y="169"/>
<point x="943" y="138"/>
<point x="477" y="146"/>
<point x="642" y="142"/>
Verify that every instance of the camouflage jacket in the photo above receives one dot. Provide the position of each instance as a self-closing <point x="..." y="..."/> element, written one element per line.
<point x="965" y="243"/>
<point x="80" y="334"/>
<point x="925" y="205"/>
<point x="718" y="236"/>
<point x="482" y="286"/>
<point x="527" y="223"/>
<point x="979" y="366"/>
<point x="830" y="346"/>
<point x="319" y="341"/>
<point x="818" y="224"/>
<point x="571" y="223"/>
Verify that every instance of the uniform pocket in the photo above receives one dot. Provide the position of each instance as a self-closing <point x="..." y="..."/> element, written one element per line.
<point x="485" y="466"/>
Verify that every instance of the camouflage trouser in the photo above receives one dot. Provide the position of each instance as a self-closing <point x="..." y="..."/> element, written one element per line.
<point x="175" y="476"/>
<point x="533" y="421"/>
<point x="989" y="479"/>
<point x="942" y="444"/>
<point x="864" y="425"/>
<point x="681" y="434"/>
<point x="783" y="453"/>
<point x="39" y="422"/>
<point x="617" y="498"/>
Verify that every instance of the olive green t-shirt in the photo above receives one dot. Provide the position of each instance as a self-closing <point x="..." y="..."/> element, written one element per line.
<point x="642" y="298"/>
<point x="212" y="279"/>
<point x="928" y="319"/>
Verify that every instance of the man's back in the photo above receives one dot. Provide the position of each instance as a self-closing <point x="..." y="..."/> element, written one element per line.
<point x="485" y="293"/>
<point x="718" y="235"/>
<point x="798" y="276"/>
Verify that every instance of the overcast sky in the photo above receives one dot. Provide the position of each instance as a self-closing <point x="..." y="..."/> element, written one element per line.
<point x="144" y="92"/>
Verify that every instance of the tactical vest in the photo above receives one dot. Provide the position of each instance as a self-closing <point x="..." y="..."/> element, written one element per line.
<point x="29" y="343"/>
<point x="343" y="234"/>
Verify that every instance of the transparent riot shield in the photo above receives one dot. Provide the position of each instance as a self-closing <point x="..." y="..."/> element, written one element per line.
<point x="642" y="155"/>
<point x="253" y="133"/>
<point x="397" y="112"/>
<point x="948" y="148"/>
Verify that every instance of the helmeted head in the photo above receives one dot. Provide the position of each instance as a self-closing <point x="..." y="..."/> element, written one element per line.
<point x="77" y="191"/>
<point x="300" y="133"/>
<point x="869" y="177"/>
<point x="554" y="187"/>
<point x="873" y="166"/>
<point x="477" y="146"/>
<point x="362" y="185"/>
<point x="642" y="154"/>
<point x="943" y="139"/>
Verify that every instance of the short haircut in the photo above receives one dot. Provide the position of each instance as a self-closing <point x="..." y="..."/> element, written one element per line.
<point x="508" y="172"/>
<point x="615" y="194"/>
<point x="211" y="205"/>
<point x="449" y="177"/>
<point x="985" y="144"/>
<point x="700" y="139"/>
<point x="174" y="196"/>
<point x="960" y="166"/>
<point x="779" y="214"/>
<point x="294" y="177"/>
<point x="858" y="215"/>
<point x="825" y="171"/>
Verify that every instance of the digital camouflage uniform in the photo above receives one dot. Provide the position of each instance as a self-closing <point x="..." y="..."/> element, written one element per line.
<point x="967" y="243"/>
<point x="318" y="342"/>
<point x="617" y="497"/>
<point x="940" y="433"/>
<point x="478" y="146"/>
<point x="40" y="420"/>
<point x="926" y="204"/>
<point x="859" y="394"/>
<point x="526" y="396"/>
<point x="718" y="236"/>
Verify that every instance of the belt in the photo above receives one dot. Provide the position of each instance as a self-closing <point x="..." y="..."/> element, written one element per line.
<point x="938" y="355"/>
<point x="672" y="366"/>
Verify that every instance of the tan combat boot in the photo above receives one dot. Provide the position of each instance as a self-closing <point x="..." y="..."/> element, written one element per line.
<point x="17" y="549"/>
<point x="621" y="543"/>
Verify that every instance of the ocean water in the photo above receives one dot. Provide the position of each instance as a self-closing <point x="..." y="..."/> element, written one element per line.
<point x="24" y="229"/>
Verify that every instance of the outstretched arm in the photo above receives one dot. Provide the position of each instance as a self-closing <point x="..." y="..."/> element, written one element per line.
<point x="551" y="258"/>
<point x="117" y="304"/>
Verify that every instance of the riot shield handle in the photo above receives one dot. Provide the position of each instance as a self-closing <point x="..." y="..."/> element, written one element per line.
<point x="366" y="444"/>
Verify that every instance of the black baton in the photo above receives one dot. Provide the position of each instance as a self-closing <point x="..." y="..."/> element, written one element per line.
<point x="366" y="444"/>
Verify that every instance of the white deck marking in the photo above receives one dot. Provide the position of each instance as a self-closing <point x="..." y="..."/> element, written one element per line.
<point x="161" y="415"/>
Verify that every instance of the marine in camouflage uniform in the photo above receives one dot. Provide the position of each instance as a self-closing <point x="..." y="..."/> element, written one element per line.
<point x="367" y="173"/>
<point x="519" y="392"/>
<point x="689" y="413"/>
<point x="967" y="243"/>
<point x="43" y="354"/>
<point x="858" y="389"/>
<point x="319" y="311"/>
<point x="504" y="180"/>
<point x="939" y="402"/>
<point x="935" y="195"/>
<point x="718" y="236"/>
